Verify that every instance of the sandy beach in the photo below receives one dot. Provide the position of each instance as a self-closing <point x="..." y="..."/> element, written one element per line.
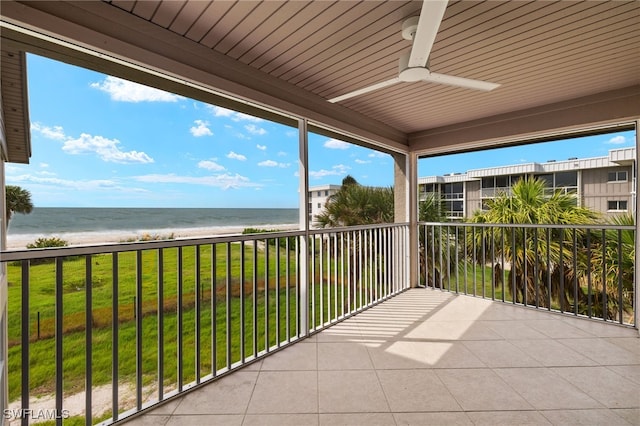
<point x="20" y="241"/>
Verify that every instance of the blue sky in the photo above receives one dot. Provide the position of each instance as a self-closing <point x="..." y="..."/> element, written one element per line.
<point x="99" y="141"/>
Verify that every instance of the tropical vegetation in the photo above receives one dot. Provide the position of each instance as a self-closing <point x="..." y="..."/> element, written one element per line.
<point x="557" y="254"/>
<point x="18" y="200"/>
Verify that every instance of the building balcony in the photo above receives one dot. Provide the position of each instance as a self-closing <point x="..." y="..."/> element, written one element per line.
<point x="323" y="327"/>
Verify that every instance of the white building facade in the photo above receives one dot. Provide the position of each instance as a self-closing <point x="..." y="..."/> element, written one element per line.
<point x="318" y="196"/>
<point x="604" y="184"/>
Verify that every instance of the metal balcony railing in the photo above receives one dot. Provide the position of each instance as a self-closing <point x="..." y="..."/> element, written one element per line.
<point x="578" y="270"/>
<point x="159" y="318"/>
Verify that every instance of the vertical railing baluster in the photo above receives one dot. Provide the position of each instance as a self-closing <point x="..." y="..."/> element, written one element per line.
<point x="198" y="310"/>
<point x="474" y="260"/>
<point x="59" y="309"/>
<point x="138" y="308"/>
<point x="328" y="277"/>
<point x="25" y="335"/>
<point x="575" y="272"/>
<point x="266" y="295"/>
<point x="433" y="256"/>
<point x="335" y="276"/>
<point x="321" y="279"/>
<point x="605" y="302"/>
<point x="466" y="259"/>
<point x="620" y="272"/>
<point x="562" y="294"/>
<point x="589" y="282"/>
<point x="115" y="323"/>
<point x="549" y="268"/>
<point x="228" y="306"/>
<point x="349" y="274"/>
<point x="525" y="283"/>
<point x="360" y="280"/>
<point x="160" y="324"/>
<point x="277" y="284"/>
<point x="242" y="296"/>
<point x="371" y="272"/>
<point x="536" y="267"/>
<point x="484" y="260"/>
<point x="179" y="337"/>
<point x="256" y="348"/>
<point x="312" y="255"/>
<point x="342" y="266"/>
<point x="88" y="355"/>
<point x="214" y="311"/>
<point x="287" y="267"/>
<point x="514" y="270"/>
<point x="299" y="281"/>
<point x="457" y="259"/>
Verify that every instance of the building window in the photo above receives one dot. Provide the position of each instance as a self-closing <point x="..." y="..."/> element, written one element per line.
<point x="326" y="193"/>
<point x="319" y="205"/>
<point x="319" y="193"/>
<point x="310" y="207"/>
<point x="619" y="176"/>
<point x="618" y="205"/>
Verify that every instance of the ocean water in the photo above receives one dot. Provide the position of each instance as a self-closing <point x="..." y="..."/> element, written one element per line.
<point x="61" y="221"/>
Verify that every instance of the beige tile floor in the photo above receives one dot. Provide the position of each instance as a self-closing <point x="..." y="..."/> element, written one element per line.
<point x="432" y="358"/>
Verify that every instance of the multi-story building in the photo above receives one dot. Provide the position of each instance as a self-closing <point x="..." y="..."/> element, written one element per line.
<point x="605" y="184"/>
<point x="318" y="196"/>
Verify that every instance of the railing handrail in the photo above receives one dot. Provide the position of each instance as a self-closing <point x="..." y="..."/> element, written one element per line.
<point x="534" y="225"/>
<point x="78" y="250"/>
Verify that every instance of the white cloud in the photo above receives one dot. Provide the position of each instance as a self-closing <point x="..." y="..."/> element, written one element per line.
<point x="261" y="147"/>
<point x="44" y="165"/>
<point x="282" y="154"/>
<point x="271" y="163"/>
<point x="107" y="149"/>
<point x="233" y="115"/>
<point x="255" y="130"/>
<point x="201" y="129"/>
<point x="337" y="170"/>
<point x="377" y="154"/>
<point x="55" y="132"/>
<point x="235" y="156"/>
<point x="336" y="144"/>
<point x="223" y="181"/>
<point x="617" y="140"/>
<point x="210" y="165"/>
<point x="79" y="185"/>
<point x="359" y="161"/>
<point x="128" y="91"/>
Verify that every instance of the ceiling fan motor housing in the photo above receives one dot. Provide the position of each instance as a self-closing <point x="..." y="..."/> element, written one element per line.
<point x="411" y="75"/>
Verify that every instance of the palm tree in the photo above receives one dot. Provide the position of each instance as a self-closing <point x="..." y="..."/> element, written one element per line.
<point x="432" y="239"/>
<point x="535" y="255"/>
<point x="612" y="260"/>
<point x="18" y="200"/>
<point x="355" y="204"/>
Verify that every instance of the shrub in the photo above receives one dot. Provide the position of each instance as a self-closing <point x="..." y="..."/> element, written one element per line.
<point x="272" y="241"/>
<point x="47" y="242"/>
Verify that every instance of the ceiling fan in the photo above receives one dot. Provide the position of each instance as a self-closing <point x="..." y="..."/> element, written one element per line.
<point x="414" y="64"/>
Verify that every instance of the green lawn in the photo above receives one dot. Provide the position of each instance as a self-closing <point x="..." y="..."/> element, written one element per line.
<point x="330" y="300"/>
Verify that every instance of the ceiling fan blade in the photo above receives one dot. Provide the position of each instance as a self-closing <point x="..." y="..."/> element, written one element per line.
<point x="467" y="83"/>
<point x="430" y="18"/>
<point x="364" y="90"/>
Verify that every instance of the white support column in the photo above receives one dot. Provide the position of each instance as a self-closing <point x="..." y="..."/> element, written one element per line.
<point x="405" y="205"/>
<point x="303" y="273"/>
